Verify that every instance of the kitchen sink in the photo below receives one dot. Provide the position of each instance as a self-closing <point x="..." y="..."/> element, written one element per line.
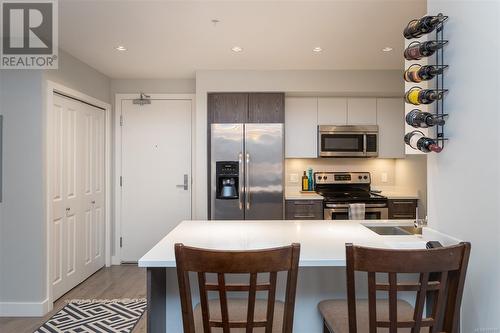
<point x="395" y="230"/>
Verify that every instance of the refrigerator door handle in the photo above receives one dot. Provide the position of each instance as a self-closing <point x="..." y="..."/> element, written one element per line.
<point x="247" y="181"/>
<point x="242" y="185"/>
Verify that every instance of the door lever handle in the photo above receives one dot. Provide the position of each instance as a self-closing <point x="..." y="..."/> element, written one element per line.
<point x="184" y="186"/>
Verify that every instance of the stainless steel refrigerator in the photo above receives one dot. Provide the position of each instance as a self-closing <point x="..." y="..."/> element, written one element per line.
<point x="246" y="181"/>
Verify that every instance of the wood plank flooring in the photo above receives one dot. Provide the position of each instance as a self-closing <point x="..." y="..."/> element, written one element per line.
<point x="127" y="281"/>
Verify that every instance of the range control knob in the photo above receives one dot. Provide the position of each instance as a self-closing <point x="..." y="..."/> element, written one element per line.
<point x="365" y="177"/>
<point x="359" y="177"/>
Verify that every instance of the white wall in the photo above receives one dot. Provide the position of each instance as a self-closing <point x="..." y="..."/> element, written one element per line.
<point x="23" y="270"/>
<point x="331" y="83"/>
<point x="376" y="166"/>
<point x="411" y="173"/>
<point x="463" y="181"/>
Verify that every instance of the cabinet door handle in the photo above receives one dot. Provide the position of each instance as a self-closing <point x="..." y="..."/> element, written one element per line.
<point x="403" y="203"/>
<point x="404" y="216"/>
<point x="304" y="216"/>
<point x="303" y="203"/>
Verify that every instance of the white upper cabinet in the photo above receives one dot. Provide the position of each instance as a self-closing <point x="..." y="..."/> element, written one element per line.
<point x="332" y="111"/>
<point x="390" y="121"/>
<point x="301" y="120"/>
<point x="361" y="111"/>
<point x="304" y="114"/>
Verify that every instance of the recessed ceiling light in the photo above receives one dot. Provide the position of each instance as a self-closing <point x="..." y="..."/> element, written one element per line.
<point x="317" y="49"/>
<point x="121" y="48"/>
<point x="236" y="49"/>
<point x="387" y="49"/>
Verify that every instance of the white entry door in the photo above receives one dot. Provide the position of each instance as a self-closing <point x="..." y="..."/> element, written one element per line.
<point x="156" y="173"/>
<point x="76" y="165"/>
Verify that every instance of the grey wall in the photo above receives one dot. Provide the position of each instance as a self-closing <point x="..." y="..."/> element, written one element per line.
<point x="166" y="86"/>
<point x="22" y="210"/>
<point x="314" y="82"/>
<point x="77" y="75"/>
<point x="463" y="181"/>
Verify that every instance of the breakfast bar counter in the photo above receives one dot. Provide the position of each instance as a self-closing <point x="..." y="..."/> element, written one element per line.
<point x="322" y="259"/>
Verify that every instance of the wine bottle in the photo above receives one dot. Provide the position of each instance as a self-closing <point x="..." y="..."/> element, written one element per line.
<point x="305" y="182"/>
<point x="417" y="51"/>
<point x="418" y="73"/>
<point x="420" y="27"/>
<point x="417" y="96"/>
<point x="418" y="141"/>
<point x="421" y="119"/>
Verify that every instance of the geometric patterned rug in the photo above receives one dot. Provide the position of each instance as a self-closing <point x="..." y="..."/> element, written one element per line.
<point x="82" y="316"/>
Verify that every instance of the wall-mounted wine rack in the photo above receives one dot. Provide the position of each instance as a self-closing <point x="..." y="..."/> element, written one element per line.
<point x="439" y="83"/>
<point x="437" y="108"/>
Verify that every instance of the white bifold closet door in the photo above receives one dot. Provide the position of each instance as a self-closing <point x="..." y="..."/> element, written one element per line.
<point x="76" y="168"/>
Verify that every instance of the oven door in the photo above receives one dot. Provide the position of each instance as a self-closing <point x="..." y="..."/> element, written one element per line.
<point x="341" y="212"/>
<point x="342" y="144"/>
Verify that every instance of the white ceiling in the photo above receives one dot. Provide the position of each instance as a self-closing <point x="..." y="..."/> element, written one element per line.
<point x="173" y="39"/>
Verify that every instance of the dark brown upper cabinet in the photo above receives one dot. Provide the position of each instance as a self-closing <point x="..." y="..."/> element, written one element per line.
<point x="227" y="108"/>
<point x="266" y="108"/>
<point x="246" y="108"/>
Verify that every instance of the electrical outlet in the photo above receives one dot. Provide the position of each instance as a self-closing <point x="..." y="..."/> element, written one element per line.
<point x="384" y="177"/>
<point x="293" y="178"/>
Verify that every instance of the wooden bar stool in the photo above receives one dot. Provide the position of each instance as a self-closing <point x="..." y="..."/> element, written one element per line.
<point x="225" y="314"/>
<point x="441" y="281"/>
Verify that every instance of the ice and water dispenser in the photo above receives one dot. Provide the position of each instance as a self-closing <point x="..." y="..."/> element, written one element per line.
<point x="227" y="178"/>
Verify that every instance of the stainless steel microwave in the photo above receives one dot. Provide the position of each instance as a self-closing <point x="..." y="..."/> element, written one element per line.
<point x="347" y="141"/>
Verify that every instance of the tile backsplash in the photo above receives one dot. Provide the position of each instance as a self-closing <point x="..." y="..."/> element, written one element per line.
<point x="382" y="170"/>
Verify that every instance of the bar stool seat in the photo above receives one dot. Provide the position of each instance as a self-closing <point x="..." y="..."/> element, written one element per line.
<point x="237" y="309"/>
<point x="336" y="317"/>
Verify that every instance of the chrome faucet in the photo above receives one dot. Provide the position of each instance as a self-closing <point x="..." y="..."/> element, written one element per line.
<point x="420" y="223"/>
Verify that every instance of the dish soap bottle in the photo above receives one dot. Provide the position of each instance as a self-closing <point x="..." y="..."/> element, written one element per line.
<point x="310" y="179"/>
<point x="305" y="182"/>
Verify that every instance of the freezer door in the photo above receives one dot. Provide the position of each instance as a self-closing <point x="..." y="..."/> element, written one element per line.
<point x="226" y="145"/>
<point x="264" y="171"/>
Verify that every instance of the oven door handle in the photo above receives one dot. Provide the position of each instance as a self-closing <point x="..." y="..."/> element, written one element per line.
<point x="347" y="206"/>
<point x="364" y="144"/>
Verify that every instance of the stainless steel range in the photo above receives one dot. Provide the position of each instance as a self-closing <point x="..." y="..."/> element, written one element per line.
<point x="343" y="188"/>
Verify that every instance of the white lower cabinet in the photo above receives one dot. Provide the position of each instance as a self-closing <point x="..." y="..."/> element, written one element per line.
<point x="390" y="121"/>
<point x="301" y="122"/>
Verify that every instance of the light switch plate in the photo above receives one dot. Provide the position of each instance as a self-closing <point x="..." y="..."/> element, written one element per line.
<point x="384" y="177"/>
<point x="293" y="178"/>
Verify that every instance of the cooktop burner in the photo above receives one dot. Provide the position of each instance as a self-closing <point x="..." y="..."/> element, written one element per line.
<point x="346" y="187"/>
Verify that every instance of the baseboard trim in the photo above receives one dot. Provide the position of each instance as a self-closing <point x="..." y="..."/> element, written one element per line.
<point x="115" y="260"/>
<point x="24" y="309"/>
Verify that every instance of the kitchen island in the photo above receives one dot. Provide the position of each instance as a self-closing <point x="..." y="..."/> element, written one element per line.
<point x="322" y="260"/>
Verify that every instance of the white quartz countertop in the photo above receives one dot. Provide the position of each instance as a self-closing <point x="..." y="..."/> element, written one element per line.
<point x="395" y="192"/>
<point x="400" y="195"/>
<point x="322" y="242"/>
<point x="297" y="195"/>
